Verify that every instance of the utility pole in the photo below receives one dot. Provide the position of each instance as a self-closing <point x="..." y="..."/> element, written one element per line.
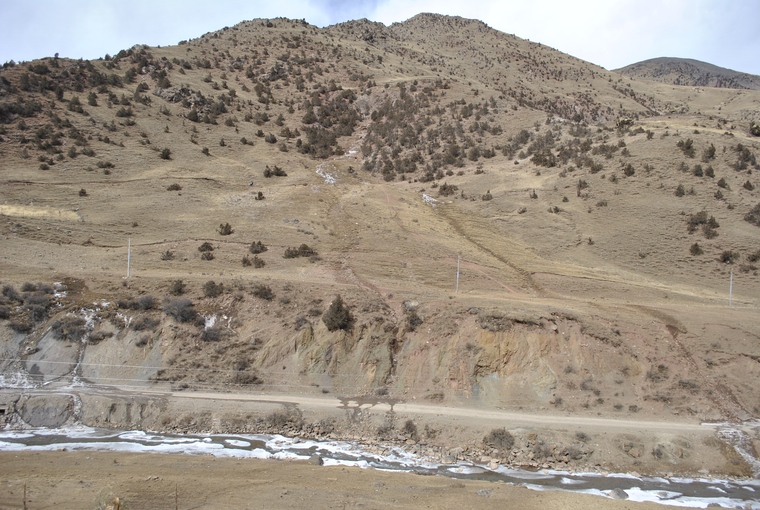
<point x="129" y="254"/>
<point x="731" y="289"/>
<point x="458" y="259"/>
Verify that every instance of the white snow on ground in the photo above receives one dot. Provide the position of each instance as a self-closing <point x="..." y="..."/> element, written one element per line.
<point x="280" y="447"/>
<point x="60" y="290"/>
<point x="429" y="200"/>
<point x="18" y="380"/>
<point x="322" y="172"/>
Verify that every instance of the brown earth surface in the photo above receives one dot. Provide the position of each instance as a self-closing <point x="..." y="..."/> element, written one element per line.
<point x="79" y="480"/>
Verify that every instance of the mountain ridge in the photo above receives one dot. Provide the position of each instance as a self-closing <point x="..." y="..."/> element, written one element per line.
<point x="691" y="73"/>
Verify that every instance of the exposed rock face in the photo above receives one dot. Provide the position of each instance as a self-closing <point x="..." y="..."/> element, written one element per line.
<point x="46" y="411"/>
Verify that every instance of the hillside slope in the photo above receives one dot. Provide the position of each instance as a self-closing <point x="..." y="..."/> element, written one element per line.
<point x="262" y="170"/>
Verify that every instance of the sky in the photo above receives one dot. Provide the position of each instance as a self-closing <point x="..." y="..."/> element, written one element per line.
<point x="609" y="33"/>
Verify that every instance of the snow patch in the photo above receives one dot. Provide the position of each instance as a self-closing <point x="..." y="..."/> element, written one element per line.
<point x="18" y="380"/>
<point x="429" y="200"/>
<point x="322" y="172"/>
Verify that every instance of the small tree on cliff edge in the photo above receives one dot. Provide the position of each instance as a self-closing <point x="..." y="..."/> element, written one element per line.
<point x="337" y="316"/>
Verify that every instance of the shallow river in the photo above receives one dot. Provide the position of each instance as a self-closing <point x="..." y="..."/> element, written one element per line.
<point x="682" y="492"/>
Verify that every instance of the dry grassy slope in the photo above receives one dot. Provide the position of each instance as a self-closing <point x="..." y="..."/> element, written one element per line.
<point x="543" y="316"/>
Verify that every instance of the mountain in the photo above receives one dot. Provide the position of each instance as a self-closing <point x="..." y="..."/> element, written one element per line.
<point x="689" y="72"/>
<point x="431" y="210"/>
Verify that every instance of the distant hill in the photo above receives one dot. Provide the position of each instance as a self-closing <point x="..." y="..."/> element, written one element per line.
<point x="686" y="71"/>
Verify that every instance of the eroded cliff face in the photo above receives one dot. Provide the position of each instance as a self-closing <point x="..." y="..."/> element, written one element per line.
<point x="530" y="357"/>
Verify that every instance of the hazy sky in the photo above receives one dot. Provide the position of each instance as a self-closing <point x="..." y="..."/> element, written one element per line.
<point x="610" y="33"/>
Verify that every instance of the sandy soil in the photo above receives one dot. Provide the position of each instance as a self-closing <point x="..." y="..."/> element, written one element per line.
<point x="146" y="481"/>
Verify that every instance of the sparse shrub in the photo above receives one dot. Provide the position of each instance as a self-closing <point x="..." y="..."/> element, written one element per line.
<point x="142" y="341"/>
<point x="337" y="316"/>
<point x="410" y="429"/>
<point x="246" y="261"/>
<point x="500" y="439"/>
<point x="206" y="247"/>
<point x="748" y="186"/>
<point x="146" y="302"/>
<point x="205" y="151"/>
<point x="177" y="288"/>
<point x="412" y="320"/>
<point x="687" y="147"/>
<point x="166" y="153"/>
<point x="270" y="138"/>
<point x="143" y="323"/>
<point x="628" y="170"/>
<point x="753" y="216"/>
<point x="211" y="289"/>
<point x="82" y="192"/>
<point x="226" y="229"/>
<point x="98" y="336"/>
<point x="21" y="326"/>
<point x="582" y="436"/>
<point x="680" y="191"/>
<point x="728" y="257"/>
<point x="708" y="154"/>
<point x="174" y="187"/>
<point x="181" y="309"/>
<point x="257" y="247"/>
<point x="167" y="255"/>
<point x="696" y="250"/>
<point x="263" y="292"/>
<point x="274" y="172"/>
<point x="447" y="189"/>
<point x="69" y="328"/>
<point x="709" y="231"/>
<point x="124" y="112"/>
<point x="722" y="183"/>
<point x="11" y="293"/>
<point x="302" y="251"/>
<point x="207" y="255"/>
